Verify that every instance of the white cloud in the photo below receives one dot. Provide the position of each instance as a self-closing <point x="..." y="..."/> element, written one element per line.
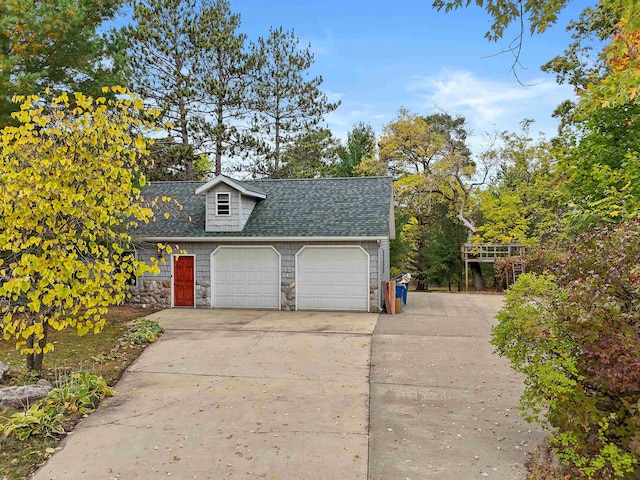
<point x="488" y="103"/>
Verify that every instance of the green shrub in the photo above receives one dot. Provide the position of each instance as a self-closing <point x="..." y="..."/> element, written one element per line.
<point x="543" y="259"/>
<point x="79" y="394"/>
<point x="144" y="331"/>
<point x="575" y="335"/>
<point x="40" y="419"/>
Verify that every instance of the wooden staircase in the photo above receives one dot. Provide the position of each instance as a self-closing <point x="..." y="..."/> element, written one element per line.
<point x="517" y="269"/>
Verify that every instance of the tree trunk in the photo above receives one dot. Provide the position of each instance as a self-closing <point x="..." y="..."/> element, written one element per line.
<point x="276" y="160"/>
<point x="478" y="279"/>
<point x="38" y="357"/>
<point x="219" y="140"/>
<point x="34" y="360"/>
<point x="31" y="356"/>
<point x="277" y="125"/>
<point x="184" y="134"/>
<point x="421" y="285"/>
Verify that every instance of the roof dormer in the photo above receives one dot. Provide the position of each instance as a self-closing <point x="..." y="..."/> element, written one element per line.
<point x="228" y="204"/>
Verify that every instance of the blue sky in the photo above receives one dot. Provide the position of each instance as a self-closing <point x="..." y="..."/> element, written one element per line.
<point x="377" y="56"/>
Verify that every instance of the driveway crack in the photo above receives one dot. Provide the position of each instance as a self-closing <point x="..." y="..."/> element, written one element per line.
<point x="165" y="405"/>
<point x="259" y="339"/>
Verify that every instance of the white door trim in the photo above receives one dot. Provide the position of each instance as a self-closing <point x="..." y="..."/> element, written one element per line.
<point x="173" y="255"/>
<point x="341" y="247"/>
<point x="213" y="269"/>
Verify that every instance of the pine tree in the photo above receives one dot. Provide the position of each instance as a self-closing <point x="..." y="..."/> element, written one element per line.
<point x="227" y="81"/>
<point x="48" y="43"/>
<point x="284" y="100"/>
<point x="187" y="60"/>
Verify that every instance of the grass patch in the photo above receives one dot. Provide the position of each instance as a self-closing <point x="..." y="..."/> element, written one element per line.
<point x="106" y="354"/>
<point x="18" y="459"/>
<point x="92" y="352"/>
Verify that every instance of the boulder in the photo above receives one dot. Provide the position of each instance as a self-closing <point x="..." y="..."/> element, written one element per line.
<point x="45" y="382"/>
<point x="23" y="396"/>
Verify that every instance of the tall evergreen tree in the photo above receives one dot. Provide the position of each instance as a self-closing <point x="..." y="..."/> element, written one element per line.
<point x="188" y="60"/>
<point x="313" y="154"/>
<point x="227" y="82"/>
<point x="164" y="67"/>
<point x="285" y="100"/>
<point x="49" y="43"/>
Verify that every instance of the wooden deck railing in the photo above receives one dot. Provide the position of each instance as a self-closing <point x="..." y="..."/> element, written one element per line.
<point x="488" y="252"/>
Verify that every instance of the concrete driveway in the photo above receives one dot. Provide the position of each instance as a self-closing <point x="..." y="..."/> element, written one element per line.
<point x="295" y="395"/>
<point x="442" y="404"/>
<point x="234" y="394"/>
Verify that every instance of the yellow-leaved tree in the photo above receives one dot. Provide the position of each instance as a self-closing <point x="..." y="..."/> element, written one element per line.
<point x="69" y="190"/>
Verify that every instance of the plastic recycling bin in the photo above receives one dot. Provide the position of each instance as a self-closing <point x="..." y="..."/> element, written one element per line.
<point x="401" y="292"/>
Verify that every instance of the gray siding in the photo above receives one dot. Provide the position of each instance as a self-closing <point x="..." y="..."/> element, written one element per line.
<point x="384" y="255"/>
<point x="287" y="250"/>
<point x="223" y="223"/>
<point x="385" y="252"/>
<point x="246" y="207"/>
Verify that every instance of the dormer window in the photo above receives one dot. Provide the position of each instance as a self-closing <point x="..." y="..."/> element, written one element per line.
<point x="223" y="201"/>
<point x="228" y="204"/>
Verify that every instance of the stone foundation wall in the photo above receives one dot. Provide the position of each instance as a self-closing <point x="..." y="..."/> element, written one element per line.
<point x="157" y="293"/>
<point x="203" y="296"/>
<point x="151" y="293"/>
<point x="288" y="296"/>
<point x="374" y="306"/>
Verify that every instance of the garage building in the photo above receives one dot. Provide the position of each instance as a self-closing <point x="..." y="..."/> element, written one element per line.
<point x="303" y="244"/>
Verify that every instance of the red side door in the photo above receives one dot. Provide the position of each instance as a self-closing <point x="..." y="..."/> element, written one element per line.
<point x="183" y="281"/>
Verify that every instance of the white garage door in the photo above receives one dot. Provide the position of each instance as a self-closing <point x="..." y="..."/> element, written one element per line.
<point x="245" y="277"/>
<point x="332" y="278"/>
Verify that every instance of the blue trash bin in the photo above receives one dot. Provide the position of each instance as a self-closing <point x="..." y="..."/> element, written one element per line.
<point x="401" y="292"/>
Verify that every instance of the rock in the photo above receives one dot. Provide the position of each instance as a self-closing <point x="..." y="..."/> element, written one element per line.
<point x="44" y="382"/>
<point x="4" y="368"/>
<point x="24" y="396"/>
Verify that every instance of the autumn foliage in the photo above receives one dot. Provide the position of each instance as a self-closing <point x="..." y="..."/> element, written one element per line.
<point x="70" y="187"/>
<point x="575" y="334"/>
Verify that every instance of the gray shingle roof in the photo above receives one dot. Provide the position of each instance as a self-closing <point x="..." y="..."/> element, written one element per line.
<point x="325" y="207"/>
